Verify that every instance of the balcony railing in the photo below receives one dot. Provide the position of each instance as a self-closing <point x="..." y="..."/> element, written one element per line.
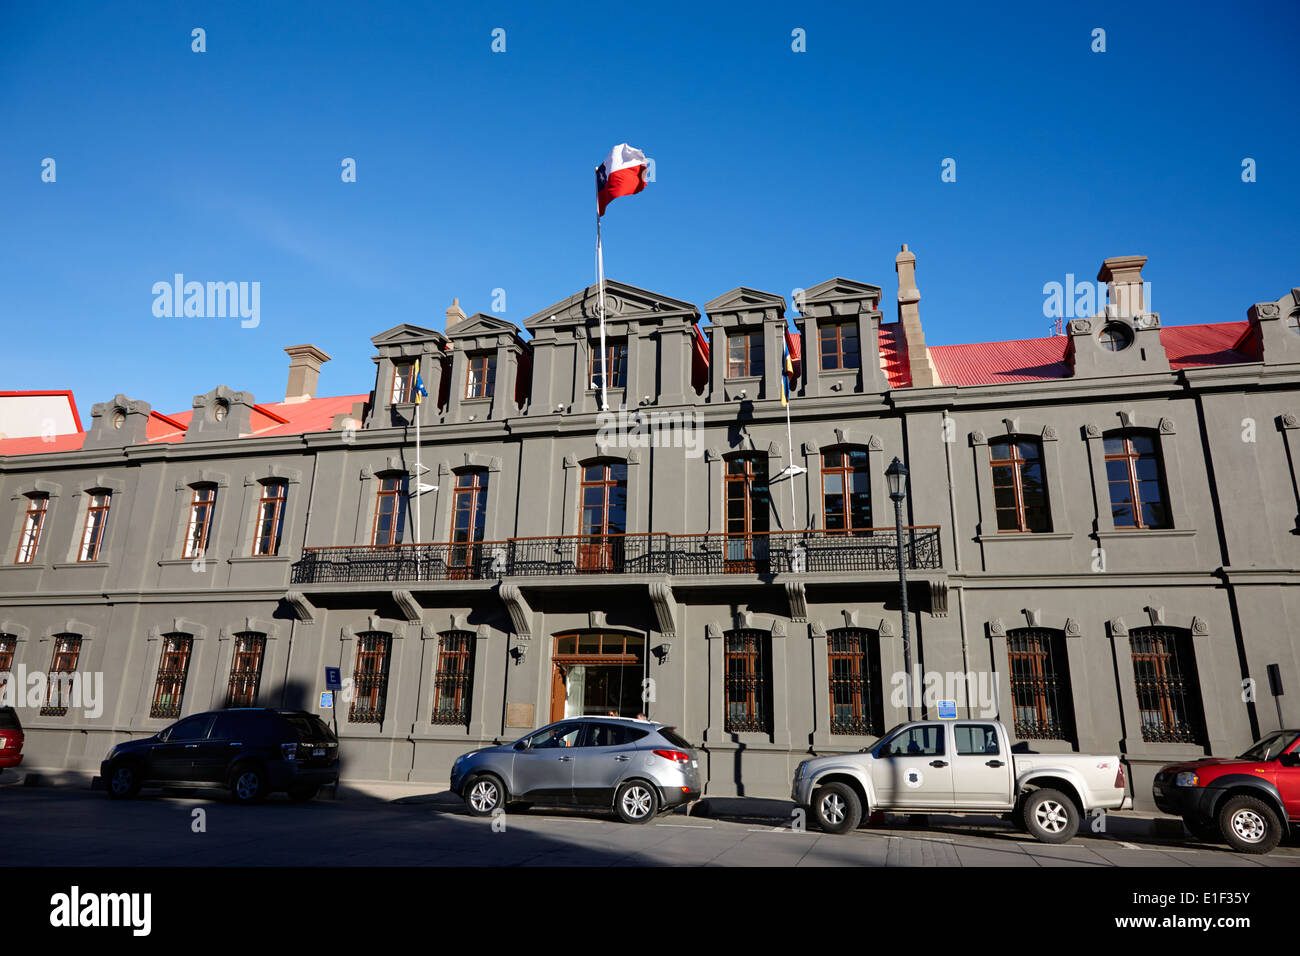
<point x="775" y="552"/>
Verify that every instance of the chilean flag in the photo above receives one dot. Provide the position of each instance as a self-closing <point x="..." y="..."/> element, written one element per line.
<point x="621" y="174"/>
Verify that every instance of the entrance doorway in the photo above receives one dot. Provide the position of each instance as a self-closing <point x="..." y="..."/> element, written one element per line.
<point x="597" y="674"/>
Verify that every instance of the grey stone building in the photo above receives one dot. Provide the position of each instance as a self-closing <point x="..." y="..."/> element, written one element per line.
<point x="1102" y="531"/>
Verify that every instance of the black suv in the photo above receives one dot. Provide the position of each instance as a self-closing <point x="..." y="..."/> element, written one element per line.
<point x="252" y="751"/>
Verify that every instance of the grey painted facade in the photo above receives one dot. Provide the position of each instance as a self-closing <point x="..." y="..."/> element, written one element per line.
<point x="1220" y="577"/>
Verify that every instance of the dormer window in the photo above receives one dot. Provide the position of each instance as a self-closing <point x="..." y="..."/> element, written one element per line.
<point x="745" y="354"/>
<point x="616" y="361"/>
<point x="1115" y="337"/>
<point x="480" y="375"/>
<point x="403" y="383"/>
<point x="839" y="346"/>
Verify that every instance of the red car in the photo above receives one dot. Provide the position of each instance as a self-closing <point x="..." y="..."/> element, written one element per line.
<point x="1252" y="801"/>
<point x="11" y="738"/>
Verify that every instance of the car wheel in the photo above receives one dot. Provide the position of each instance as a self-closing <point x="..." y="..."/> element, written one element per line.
<point x="836" y="807"/>
<point x="1050" y="816"/>
<point x="636" y="802"/>
<point x="1207" y="831"/>
<point x="1249" y="825"/>
<point x="123" y="781"/>
<point x="303" y="794"/>
<point x="484" y="795"/>
<point x="248" y="783"/>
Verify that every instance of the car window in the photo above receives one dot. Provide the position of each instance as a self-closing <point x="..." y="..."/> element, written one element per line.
<point x="976" y="740"/>
<point x="310" y="729"/>
<point x="191" y="728"/>
<point x="561" y="735"/>
<point x="9" y="719"/>
<point x="923" y="741"/>
<point x="677" y="740"/>
<point x="611" y="735"/>
<point x="1269" y="748"/>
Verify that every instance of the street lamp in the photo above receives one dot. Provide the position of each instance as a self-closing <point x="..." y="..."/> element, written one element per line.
<point x="896" y="474"/>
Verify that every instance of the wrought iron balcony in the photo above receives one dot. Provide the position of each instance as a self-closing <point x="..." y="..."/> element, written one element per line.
<point x="776" y="552"/>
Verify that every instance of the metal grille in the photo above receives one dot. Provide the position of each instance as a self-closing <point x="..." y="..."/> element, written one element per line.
<point x="854" y="665"/>
<point x="67" y="650"/>
<point x="173" y="667"/>
<point x="245" y="669"/>
<point x="748" y="687"/>
<point x="454" y="681"/>
<point x="370" y="679"/>
<point x="1040" y="684"/>
<point x="7" y="644"/>
<point x="1168" y="692"/>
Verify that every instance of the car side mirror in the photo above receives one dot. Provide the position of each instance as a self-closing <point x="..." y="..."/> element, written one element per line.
<point x="163" y="735"/>
<point x="521" y="744"/>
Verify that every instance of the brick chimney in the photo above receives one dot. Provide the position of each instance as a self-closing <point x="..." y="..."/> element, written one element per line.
<point x="1123" y="278"/>
<point x="455" y="315"/>
<point x="909" y="316"/>
<point x="304" y="372"/>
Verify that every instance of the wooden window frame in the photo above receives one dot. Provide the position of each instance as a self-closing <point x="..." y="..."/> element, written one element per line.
<point x="170" y="682"/>
<point x="616" y="359"/>
<point x="755" y="540"/>
<point x="264" y="545"/>
<point x="751" y="356"/>
<point x="29" y="536"/>
<point x="64" y="660"/>
<point x="1015" y="463"/>
<point x="1131" y="458"/>
<point x="1038" y="664"/>
<point x="93" y="530"/>
<point x="480" y="374"/>
<point x="245" y="682"/>
<point x="397" y="527"/>
<point x="751" y="686"/>
<point x="8" y="648"/>
<point x="846" y="472"/>
<point x="862" y="679"/>
<point x="598" y="549"/>
<point x="838" y="352"/>
<point x="453" y="679"/>
<point x="1171" y="656"/>
<point x="403" y="391"/>
<point x="371" y="686"/>
<point x="201" y="512"/>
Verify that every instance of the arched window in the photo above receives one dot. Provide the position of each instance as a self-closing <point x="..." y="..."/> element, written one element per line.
<point x="63" y="667"/>
<point x="453" y="681"/>
<point x="1019" y="486"/>
<point x="1040" y="684"/>
<point x="1168" y="691"/>
<point x="370" y="678"/>
<point x="853" y="658"/>
<point x="1135" y="477"/>
<point x="245" y="669"/>
<point x="846" y="491"/>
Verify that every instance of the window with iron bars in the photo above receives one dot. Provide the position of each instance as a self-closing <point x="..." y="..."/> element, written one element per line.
<point x="245" y="669"/>
<point x="1040" y="684"/>
<point x="7" y="644"/>
<point x="173" y="667"/>
<point x="1168" y="691"/>
<point x="63" y="665"/>
<point x="748" y="682"/>
<point x="370" y="679"/>
<point x="453" y="683"/>
<point x="854" y="666"/>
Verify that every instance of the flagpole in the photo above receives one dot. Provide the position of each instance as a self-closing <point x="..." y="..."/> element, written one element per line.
<point x="600" y="272"/>
<point x="419" y="471"/>
<point x="794" y="514"/>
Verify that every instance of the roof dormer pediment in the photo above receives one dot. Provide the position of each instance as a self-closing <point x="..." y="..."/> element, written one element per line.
<point x="745" y="306"/>
<point x="838" y="296"/>
<point x="622" y="302"/>
<point x="407" y="334"/>
<point x="480" y="323"/>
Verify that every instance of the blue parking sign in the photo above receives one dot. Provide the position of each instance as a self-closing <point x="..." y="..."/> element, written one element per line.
<point x="947" y="710"/>
<point x="333" y="679"/>
<point x="327" y="700"/>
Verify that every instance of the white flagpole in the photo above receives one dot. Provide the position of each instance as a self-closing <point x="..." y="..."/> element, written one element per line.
<point x="794" y="514"/>
<point x="600" y="271"/>
<point x="419" y="471"/>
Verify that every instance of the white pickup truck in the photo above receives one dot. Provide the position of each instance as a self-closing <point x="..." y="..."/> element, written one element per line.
<point x="960" y="766"/>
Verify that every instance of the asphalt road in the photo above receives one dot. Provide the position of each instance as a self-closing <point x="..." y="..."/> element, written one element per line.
<point x="61" y="827"/>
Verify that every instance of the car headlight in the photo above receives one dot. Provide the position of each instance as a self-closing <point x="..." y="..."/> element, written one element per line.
<point x="1187" y="778"/>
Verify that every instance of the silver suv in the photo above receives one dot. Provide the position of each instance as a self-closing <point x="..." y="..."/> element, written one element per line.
<point x="638" y="768"/>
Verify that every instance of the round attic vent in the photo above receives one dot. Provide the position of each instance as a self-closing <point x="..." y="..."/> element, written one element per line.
<point x="220" y="410"/>
<point x="119" y="418"/>
<point x="1115" y="337"/>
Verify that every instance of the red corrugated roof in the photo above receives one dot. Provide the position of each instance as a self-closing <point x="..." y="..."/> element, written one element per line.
<point x="270" y="420"/>
<point x="893" y="356"/>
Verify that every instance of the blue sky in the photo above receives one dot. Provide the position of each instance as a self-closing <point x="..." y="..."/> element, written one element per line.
<point x="774" y="169"/>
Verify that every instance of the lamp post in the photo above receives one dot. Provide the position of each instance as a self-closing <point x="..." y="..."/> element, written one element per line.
<point x="896" y="473"/>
